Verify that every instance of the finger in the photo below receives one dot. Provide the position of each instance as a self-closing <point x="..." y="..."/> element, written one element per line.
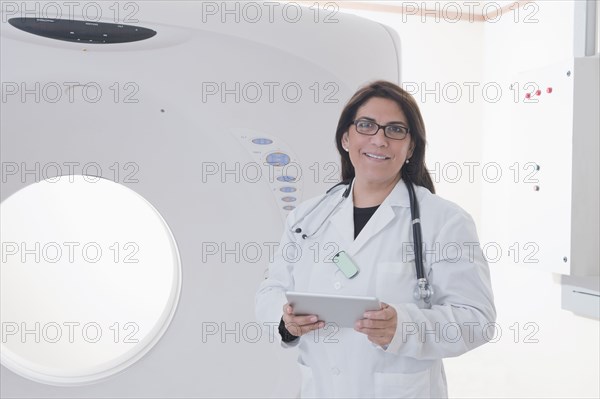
<point x="379" y="338"/>
<point x="310" y="327"/>
<point x="378" y="332"/>
<point x="375" y="327"/>
<point x="385" y="314"/>
<point x="287" y="309"/>
<point x="298" y="329"/>
<point x="370" y="323"/>
<point x="305" y="319"/>
<point x="300" y="322"/>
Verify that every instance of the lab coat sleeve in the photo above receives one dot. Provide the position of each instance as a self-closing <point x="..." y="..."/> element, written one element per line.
<point x="270" y="298"/>
<point x="462" y="315"/>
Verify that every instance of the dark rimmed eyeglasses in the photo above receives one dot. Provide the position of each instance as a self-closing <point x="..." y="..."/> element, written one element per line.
<point x="393" y="131"/>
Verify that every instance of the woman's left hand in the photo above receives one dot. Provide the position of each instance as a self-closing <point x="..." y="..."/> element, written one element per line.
<point x="379" y="325"/>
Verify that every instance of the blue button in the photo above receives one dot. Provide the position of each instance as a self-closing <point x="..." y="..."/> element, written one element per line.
<point x="286" y="179"/>
<point x="278" y="159"/>
<point x="262" y="141"/>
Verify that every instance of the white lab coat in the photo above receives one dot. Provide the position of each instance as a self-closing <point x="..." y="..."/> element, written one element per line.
<point x="343" y="362"/>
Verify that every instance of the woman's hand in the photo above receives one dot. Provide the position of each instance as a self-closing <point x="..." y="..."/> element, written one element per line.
<point x="299" y="325"/>
<point x="379" y="325"/>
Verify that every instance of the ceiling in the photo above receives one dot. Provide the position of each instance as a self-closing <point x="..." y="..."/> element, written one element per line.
<point x="463" y="10"/>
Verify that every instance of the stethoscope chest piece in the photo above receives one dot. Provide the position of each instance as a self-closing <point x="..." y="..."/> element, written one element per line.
<point x="423" y="290"/>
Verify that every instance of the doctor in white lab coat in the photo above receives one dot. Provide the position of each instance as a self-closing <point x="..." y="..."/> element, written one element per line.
<point x="396" y="351"/>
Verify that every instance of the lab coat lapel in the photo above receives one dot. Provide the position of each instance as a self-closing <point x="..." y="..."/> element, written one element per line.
<point x="380" y="219"/>
<point x="344" y="219"/>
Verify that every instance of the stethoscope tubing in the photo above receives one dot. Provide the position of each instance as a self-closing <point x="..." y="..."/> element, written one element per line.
<point x="416" y="229"/>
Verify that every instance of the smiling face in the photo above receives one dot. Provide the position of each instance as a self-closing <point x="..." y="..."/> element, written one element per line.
<point x="378" y="159"/>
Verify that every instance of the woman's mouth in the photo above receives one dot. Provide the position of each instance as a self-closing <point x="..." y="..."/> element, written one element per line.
<point x="376" y="156"/>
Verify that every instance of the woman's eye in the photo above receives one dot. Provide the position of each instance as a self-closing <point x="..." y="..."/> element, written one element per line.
<point x="396" y="129"/>
<point x="365" y="125"/>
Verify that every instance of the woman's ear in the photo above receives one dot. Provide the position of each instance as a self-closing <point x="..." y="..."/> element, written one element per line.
<point x="411" y="150"/>
<point x="345" y="141"/>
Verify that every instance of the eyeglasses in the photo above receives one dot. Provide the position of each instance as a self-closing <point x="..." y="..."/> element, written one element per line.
<point x="370" y="128"/>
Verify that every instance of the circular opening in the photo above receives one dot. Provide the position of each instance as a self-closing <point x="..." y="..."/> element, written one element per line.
<point x="90" y="279"/>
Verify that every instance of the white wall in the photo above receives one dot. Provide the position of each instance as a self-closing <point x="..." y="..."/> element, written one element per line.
<point x="557" y="354"/>
<point x="443" y="54"/>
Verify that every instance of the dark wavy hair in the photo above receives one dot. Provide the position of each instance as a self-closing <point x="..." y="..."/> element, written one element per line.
<point x="415" y="170"/>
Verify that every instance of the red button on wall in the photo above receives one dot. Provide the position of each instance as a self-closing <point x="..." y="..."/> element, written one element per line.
<point x="549" y="90"/>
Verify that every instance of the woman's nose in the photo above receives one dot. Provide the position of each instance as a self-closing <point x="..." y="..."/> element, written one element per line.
<point x="379" y="139"/>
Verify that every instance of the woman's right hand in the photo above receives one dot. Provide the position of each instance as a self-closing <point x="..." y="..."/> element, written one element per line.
<point x="299" y="325"/>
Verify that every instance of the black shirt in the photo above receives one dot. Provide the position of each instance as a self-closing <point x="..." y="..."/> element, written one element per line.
<point x="361" y="217"/>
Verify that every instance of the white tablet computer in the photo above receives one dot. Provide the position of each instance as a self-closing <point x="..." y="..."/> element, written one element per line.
<point x="343" y="311"/>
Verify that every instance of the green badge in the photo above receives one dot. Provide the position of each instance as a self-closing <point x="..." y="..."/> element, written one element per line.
<point x="345" y="264"/>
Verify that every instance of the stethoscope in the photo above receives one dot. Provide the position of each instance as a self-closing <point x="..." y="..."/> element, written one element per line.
<point x="423" y="289"/>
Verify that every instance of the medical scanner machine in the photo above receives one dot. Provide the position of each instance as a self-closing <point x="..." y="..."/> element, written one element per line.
<point x="204" y="126"/>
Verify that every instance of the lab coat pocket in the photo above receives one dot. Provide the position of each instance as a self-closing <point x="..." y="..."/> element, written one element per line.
<point x="403" y="385"/>
<point x="395" y="281"/>
<point x="307" y="388"/>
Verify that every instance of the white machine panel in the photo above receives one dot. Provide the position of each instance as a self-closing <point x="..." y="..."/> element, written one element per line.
<point x="541" y="140"/>
<point x="556" y="132"/>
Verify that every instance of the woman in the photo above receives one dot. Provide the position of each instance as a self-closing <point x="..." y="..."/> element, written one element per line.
<point x="396" y="351"/>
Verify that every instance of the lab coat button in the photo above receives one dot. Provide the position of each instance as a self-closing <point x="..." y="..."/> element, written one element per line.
<point x="335" y="371"/>
<point x="337" y="285"/>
